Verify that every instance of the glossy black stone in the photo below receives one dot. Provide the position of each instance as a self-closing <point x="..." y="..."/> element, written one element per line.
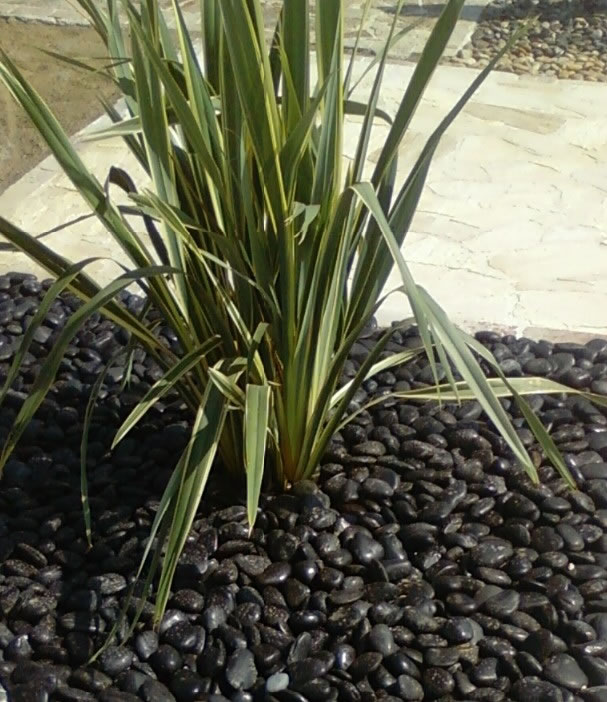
<point x="422" y="565"/>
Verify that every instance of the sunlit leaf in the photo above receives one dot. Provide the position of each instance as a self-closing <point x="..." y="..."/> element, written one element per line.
<point x="256" y="418"/>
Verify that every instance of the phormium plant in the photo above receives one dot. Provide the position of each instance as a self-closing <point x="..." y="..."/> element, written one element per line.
<point x="266" y="254"/>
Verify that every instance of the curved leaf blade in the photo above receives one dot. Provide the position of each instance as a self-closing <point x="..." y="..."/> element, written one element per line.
<point x="162" y="386"/>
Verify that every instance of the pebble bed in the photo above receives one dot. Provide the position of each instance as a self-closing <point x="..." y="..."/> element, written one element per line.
<point x="568" y="40"/>
<point x="423" y="565"/>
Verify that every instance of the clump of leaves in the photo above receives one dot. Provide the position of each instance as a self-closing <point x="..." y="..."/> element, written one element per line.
<point x="266" y="254"/>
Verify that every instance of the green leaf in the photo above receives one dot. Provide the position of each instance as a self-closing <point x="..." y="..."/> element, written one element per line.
<point x="450" y="337"/>
<point x="296" y="36"/>
<point x="70" y="161"/>
<point x="162" y="386"/>
<point x="124" y="127"/>
<point x="53" y="292"/>
<point x="86" y="425"/>
<point x="340" y="406"/>
<point x="256" y="419"/>
<point x="538" y="429"/>
<point x="193" y="470"/>
<point x="253" y="360"/>
<point x="379" y="58"/>
<point x="389" y="362"/>
<point x="228" y="385"/>
<point x="425" y="67"/>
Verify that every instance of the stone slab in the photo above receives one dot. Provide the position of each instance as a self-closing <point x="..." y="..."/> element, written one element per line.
<point x="511" y="226"/>
<point x="510" y="232"/>
<point x="419" y="14"/>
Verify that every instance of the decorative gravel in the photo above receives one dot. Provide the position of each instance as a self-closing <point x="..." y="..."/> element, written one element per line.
<point x="423" y="565"/>
<point x="568" y="40"/>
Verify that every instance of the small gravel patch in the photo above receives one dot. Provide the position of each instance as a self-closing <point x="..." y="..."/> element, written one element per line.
<point x="567" y="39"/>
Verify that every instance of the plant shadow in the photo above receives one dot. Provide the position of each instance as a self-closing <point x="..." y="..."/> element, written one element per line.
<point x="470" y="12"/>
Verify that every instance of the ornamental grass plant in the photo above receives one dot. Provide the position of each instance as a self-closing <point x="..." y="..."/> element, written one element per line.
<point x="266" y="253"/>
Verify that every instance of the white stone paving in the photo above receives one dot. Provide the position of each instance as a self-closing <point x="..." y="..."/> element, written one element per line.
<point x="377" y="24"/>
<point x="511" y="231"/>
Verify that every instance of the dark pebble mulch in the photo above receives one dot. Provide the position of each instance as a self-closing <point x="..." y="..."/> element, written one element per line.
<point x="423" y="565"/>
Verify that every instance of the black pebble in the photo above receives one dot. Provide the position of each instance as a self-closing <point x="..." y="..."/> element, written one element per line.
<point x="437" y="682"/>
<point x="241" y="671"/>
